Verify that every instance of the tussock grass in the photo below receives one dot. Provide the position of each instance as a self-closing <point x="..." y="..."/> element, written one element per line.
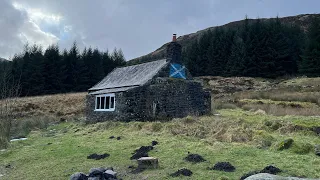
<point x="60" y="105"/>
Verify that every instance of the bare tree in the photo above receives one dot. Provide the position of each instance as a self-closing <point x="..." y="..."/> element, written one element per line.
<point x="9" y="92"/>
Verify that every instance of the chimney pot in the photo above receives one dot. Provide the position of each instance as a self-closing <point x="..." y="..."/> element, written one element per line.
<point x="174" y="38"/>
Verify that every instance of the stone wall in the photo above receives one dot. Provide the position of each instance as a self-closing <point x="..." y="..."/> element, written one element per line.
<point x="162" y="98"/>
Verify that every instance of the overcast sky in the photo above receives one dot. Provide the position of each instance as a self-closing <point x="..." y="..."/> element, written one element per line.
<point x="136" y="26"/>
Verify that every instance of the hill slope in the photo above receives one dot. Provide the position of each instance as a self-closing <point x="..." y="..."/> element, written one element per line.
<point x="303" y="21"/>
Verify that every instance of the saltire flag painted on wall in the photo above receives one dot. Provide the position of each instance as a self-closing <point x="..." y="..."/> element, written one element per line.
<point x="177" y="71"/>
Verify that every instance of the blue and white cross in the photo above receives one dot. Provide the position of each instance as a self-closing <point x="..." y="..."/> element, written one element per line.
<point x="177" y="71"/>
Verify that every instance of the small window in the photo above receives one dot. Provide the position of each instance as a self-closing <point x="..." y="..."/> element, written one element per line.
<point x="105" y="102"/>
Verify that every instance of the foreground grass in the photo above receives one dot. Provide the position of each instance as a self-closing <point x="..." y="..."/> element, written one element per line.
<point x="233" y="137"/>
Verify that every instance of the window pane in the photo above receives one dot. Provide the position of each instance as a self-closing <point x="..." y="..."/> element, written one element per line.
<point x="112" y="102"/>
<point x="98" y="103"/>
<point x="103" y="102"/>
<point x="107" y="102"/>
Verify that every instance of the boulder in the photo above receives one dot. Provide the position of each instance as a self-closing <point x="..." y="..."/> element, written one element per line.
<point x="110" y="174"/>
<point x="93" y="172"/>
<point x="148" y="163"/>
<point x="78" y="176"/>
<point x="266" y="176"/>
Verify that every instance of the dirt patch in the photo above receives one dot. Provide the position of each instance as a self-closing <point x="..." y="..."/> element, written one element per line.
<point x="196" y="158"/>
<point x="98" y="156"/>
<point x="183" y="171"/>
<point x="141" y="152"/>
<point x="223" y="166"/>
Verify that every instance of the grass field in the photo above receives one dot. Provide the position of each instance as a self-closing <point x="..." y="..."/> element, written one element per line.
<point x="244" y="131"/>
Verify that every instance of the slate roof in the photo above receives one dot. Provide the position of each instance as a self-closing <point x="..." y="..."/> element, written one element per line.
<point x="130" y="76"/>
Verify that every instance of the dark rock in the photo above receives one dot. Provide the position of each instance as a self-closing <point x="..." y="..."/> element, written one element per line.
<point x="183" y="171"/>
<point x="93" y="172"/>
<point x="111" y="137"/>
<point x="110" y="174"/>
<point x="271" y="170"/>
<point x="153" y="143"/>
<point x="223" y="166"/>
<point x="118" y="138"/>
<point x="98" y="156"/>
<point x="286" y="144"/>
<point x="94" y="178"/>
<point x="141" y="152"/>
<point x="8" y="166"/>
<point x="243" y="177"/>
<point x="130" y="167"/>
<point x="196" y="158"/>
<point x="78" y="176"/>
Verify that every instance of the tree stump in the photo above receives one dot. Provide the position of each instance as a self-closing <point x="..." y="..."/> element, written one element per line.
<point x="148" y="163"/>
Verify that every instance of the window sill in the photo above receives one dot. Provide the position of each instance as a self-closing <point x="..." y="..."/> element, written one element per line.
<point x="105" y="110"/>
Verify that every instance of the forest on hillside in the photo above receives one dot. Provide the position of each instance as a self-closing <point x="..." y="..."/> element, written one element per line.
<point x="51" y="71"/>
<point x="264" y="48"/>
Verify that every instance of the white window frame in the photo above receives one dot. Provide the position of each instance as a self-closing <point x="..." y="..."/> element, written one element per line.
<point x="105" y="97"/>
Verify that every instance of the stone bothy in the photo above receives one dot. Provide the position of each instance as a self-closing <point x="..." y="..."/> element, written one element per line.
<point x="156" y="90"/>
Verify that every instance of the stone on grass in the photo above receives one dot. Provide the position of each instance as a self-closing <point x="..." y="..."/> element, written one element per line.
<point x="78" y="176"/>
<point x="108" y="174"/>
<point x="96" y="171"/>
<point x="148" y="163"/>
<point x="266" y="176"/>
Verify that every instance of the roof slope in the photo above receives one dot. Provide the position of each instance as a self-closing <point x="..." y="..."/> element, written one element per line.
<point x="135" y="75"/>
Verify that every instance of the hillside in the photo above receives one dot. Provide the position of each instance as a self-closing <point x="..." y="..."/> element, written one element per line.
<point x="251" y="120"/>
<point x="303" y="21"/>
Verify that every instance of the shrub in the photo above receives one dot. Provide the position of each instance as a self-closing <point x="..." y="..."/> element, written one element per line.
<point x="156" y="126"/>
<point x="286" y="144"/>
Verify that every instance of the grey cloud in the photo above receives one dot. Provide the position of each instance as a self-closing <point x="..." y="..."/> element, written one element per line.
<point x="141" y="26"/>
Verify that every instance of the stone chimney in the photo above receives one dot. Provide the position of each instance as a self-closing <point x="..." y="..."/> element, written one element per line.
<point x="174" y="51"/>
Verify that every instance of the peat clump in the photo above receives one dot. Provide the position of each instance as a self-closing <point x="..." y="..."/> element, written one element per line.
<point x="98" y="156"/>
<point x="271" y="170"/>
<point x="153" y="143"/>
<point x="183" y="171"/>
<point x="268" y="169"/>
<point x="141" y="152"/>
<point x="195" y="158"/>
<point x="223" y="166"/>
<point x="96" y="173"/>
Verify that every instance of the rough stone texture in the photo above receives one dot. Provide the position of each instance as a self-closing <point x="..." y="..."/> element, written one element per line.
<point x="265" y="176"/>
<point x="162" y="98"/>
<point x="148" y="162"/>
<point x="78" y="176"/>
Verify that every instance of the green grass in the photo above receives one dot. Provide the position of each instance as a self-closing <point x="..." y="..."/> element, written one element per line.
<point x="73" y="142"/>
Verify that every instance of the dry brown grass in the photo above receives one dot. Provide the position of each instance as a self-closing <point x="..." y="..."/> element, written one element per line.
<point x="59" y="105"/>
